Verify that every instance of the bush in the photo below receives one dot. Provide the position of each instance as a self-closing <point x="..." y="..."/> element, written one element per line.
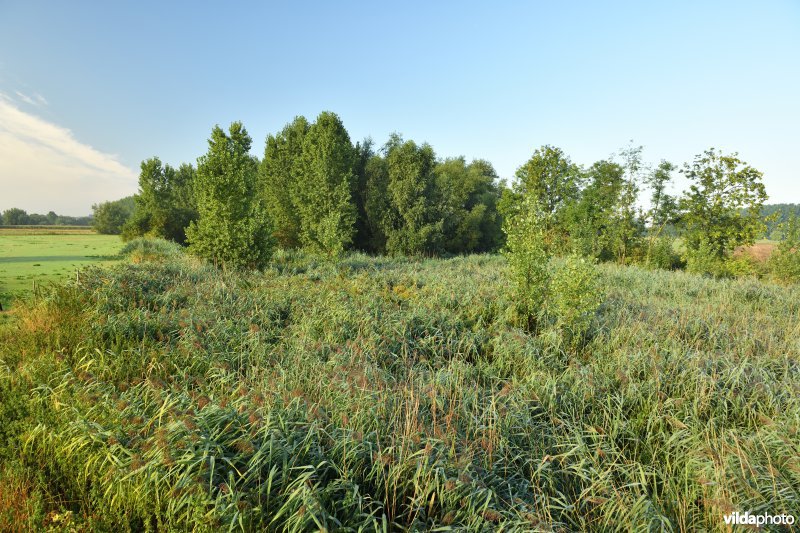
<point x="662" y="254"/>
<point x="568" y="296"/>
<point x="575" y="296"/>
<point x="528" y="261"/>
<point x="784" y="265"/>
<point x="148" y="249"/>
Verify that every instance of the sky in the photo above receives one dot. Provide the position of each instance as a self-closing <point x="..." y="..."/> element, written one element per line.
<point x="90" y="89"/>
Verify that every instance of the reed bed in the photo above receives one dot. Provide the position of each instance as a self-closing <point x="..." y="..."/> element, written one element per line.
<point x="382" y="394"/>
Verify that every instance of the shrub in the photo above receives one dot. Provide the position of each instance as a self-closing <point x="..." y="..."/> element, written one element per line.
<point x="575" y="296"/>
<point x="528" y="260"/>
<point x="662" y="254"/>
<point x="149" y="249"/>
<point x="784" y="264"/>
<point x="704" y="260"/>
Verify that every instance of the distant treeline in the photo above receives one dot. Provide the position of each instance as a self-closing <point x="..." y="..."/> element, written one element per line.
<point x="19" y="217"/>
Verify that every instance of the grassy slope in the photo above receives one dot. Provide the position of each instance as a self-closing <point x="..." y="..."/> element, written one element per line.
<point x="45" y="255"/>
<point x="388" y="392"/>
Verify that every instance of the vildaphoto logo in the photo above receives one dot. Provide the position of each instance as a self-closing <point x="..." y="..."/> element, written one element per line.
<point x="749" y="519"/>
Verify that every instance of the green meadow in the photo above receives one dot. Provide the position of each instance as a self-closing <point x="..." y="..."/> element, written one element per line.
<point x="43" y="257"/>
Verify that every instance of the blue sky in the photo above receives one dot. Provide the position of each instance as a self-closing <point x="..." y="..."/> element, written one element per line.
<point x="89" y="89"/>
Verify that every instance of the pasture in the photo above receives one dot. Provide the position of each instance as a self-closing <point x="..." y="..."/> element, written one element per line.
<point x="49" y="254"/>
<point x="389" y="394"/>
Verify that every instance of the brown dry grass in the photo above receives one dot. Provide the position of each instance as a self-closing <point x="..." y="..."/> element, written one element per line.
<point x="16" y="508"/>
<point x="761" y="251"/>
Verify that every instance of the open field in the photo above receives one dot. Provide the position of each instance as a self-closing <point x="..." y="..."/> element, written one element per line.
<point x="45" y="256"/>
<point x="760" y="251"/>
<point x="389" y="394"/>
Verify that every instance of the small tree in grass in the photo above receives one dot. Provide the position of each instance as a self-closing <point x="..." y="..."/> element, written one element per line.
<point x="566" y="296"/>
<point x="721" y="210"/>
<point x="526" y="235"/>
<point x="575" y="296"/>
<point x="233" y="229"/>
<point x="784" y="264"/>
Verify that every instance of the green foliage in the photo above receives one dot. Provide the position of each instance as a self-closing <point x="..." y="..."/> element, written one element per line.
<point x="110" y="217"/>
<point x="15" y="217"/>
<point x="528" y="259"/>
<point x="661" y="253"/>
<point x="233" y="229"/>
<point x="784" y="264"/>
<point x="150" y="249"/>
<point x="774" y="215"/>
<point x="278" y="175"/>
<point x="322" y="196"/>
<point x="566" y="295"/>
<point x="165" y="205"/>
<point x="412" y="225"/>
<point x="467" y="203"/>
<point x="365" y="237"/>
<point x="19" y="217"/>
<point x="592" y="220"/>
<point x="574" y="297"/>
<point x="721" y="209"/>
<point x="551" y="178"/>
<point x="377" y="204"/>
<point x="554" y="182"/>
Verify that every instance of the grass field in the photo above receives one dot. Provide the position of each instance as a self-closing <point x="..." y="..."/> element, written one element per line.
<point x="46" y="255"/>
<point x="382" y="394"/>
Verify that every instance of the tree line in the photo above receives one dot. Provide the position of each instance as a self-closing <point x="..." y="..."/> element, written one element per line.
<point x="317" y="190"/>
<point x="15" y="216"/>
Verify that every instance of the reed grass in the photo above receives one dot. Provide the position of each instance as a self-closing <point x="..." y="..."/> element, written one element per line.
<point x="393" y="394"/>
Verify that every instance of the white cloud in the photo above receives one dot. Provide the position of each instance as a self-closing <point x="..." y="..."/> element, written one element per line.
<point x="43" y="167"/>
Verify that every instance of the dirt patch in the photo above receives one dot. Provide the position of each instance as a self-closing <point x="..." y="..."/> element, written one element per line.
<point x="760" y="251"/>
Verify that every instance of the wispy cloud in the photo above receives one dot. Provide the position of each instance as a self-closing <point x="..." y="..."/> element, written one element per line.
<point x="43" y="167"/>
<point x="36" y="99"/>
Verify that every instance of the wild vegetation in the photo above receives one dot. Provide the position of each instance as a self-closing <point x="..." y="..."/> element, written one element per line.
<point x="385" y="393"/>
<point x="270" y="375"/>
<point x="317" y="191"/>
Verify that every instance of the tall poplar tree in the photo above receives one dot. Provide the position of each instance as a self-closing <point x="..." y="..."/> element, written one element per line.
<point x="323" y="194"/>
<point x="233" y="229"/>
<point x="278" y="178"/>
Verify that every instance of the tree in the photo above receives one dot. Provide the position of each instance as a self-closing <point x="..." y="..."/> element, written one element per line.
<point x="721" y="209"/>
<point x="627" y="227"/>
<point x="784" y="263"/>
<point x="591" y="219"/>
<point x="110" y="217"/>
<point x="233" y="228"/>
<point x="550" y="177"/>
<point x="663" y="206"/>
<point x="551" y="180"/>
<point x="467" y="198"/>
<point x="15" y="217"/>
<point x="322" y="197"/>
<point x="412" y="225"/>
<point x="278" y="175"/>
<point x="364" y="237"/>
<point x="165" y="205"/>
<point x="377" y="204"/>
